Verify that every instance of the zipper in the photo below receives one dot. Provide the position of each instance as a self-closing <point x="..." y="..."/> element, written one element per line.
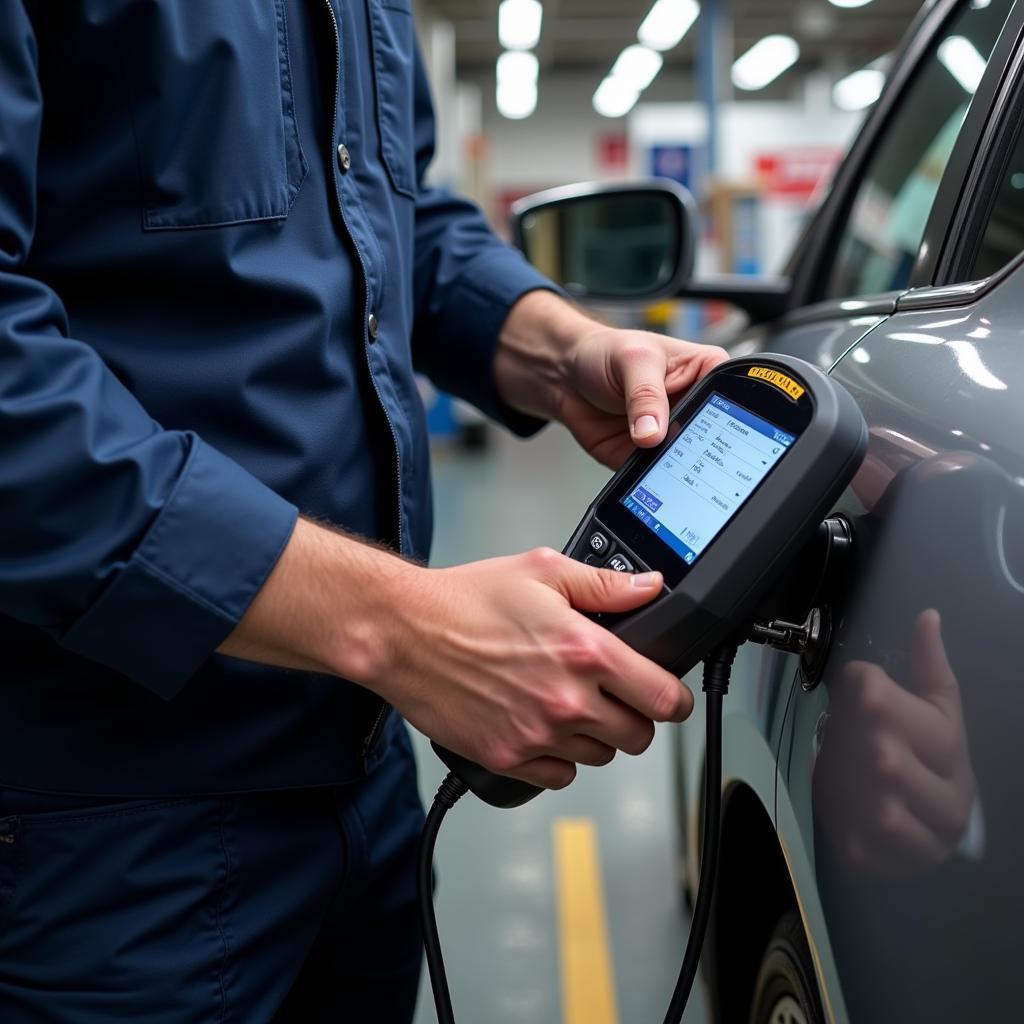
<point x="372" y="735"/>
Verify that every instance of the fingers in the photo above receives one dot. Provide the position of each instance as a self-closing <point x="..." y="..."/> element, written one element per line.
<point x="645" y="687"/>
<point x="642" y="369"/>
<point x="687" y="363"/>
<point x="546" y="772"/>
<point x="876" y="702"/>
<point x="586" y="750"/>
<point x="597" y="590"/>
<point x="931" y="676"/>
<point x="901" y="844"/>
<point x="620" y="726"/>
<point x="942" y="805"/>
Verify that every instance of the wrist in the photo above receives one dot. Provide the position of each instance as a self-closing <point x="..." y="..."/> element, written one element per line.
<point x="533" y="362"/>
<point x="363" y="638"/>
<point x="328" y="607"/>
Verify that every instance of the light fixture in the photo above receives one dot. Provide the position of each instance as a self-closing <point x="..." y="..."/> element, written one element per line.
<point x="667" y="22"/>
<point x="961" y="59"/>
<point x="516" y="92"/>
<point x="764" y="62"/>
<point x="519" y="23"/>
<point x="516" y="101"/>
<point x="637" y="66"/>
<point x="858" y="90"/>
<point x="849" y="3"/>
<point x="614" y="97"/>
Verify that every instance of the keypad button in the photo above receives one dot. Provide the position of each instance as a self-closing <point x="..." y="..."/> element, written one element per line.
<point x="619" y="563"/>
<point x="592" y="560"/>
<point x="598" y="543"/>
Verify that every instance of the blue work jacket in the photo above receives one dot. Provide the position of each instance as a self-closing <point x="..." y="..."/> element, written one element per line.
<point x="219" y="267"/>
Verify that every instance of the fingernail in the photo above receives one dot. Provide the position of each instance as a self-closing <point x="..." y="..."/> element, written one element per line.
<point x="646" y="580"/>
<point x="645" y="426"/>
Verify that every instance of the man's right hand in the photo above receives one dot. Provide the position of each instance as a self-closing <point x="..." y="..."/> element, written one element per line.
<point x="491" y="659"/>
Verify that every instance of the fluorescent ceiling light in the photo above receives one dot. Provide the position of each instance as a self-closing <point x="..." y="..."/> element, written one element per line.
<point x="516" y="101"/>
<point x="962" y="60"/>
<point x="667" y="22"/>
<point x="849" y="3"/>
<point x="519" y="24"/>
<point x="516" y="68"/>
<point x="614" y="97"/>
<point x="516" y="94"/>
<point x="637" y="66"/>
<point x="764" y="62"/>
<point x="859" y="90"/>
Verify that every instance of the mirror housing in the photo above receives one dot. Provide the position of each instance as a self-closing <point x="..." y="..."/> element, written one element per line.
<point x="617" y="242"/>
<point x="634" y="241"/>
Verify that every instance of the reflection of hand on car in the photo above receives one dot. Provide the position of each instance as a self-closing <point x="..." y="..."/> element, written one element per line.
<point x="894" y="788"/>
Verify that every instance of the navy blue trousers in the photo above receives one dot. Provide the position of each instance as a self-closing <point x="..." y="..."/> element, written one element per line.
<point x="288" y="907"/>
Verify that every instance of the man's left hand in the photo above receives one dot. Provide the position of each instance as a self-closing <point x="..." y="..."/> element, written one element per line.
<point x="611" y="387"/>
<point x="638" y="373"/>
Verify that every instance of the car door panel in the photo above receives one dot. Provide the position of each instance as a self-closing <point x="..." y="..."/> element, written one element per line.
<point x="911" y="827"/>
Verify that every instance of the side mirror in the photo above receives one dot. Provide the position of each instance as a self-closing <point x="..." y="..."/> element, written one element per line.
<point x="611" y="242"/>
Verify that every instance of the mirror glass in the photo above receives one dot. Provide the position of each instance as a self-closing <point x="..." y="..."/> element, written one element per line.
<point x="614" y="245"/>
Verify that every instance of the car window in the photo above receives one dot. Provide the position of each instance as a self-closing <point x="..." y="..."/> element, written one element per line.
<point x="1004" y="233"/>
<point x="883" y="232"/>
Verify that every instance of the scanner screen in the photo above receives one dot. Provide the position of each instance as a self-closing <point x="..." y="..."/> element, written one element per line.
<point x="708" y="472"/>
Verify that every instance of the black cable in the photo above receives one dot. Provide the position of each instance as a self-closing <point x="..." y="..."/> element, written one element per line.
<point x="717" y="670"/>
<point x="448" y="795"/>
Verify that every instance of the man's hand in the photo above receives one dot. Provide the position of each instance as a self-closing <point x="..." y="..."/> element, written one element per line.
<point x="893" y="783"/>
<point x="489" y="659"/>
<point x="612" y="388"/>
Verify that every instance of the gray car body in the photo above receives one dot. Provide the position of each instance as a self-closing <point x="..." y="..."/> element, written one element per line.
<point x="938" y="514"/>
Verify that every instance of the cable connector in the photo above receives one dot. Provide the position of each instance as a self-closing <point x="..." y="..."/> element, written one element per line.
<point x="718" y="668"/>
<point x="451" y="791"/>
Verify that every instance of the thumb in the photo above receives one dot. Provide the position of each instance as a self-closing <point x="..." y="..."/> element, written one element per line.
<point x="931" y="676"/>
<point x="642" y="370"/>
<point x="603" y="590"/>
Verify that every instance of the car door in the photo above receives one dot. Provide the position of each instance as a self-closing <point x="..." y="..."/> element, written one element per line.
<point x="875" y="237"/>
<point x="897" y="776"/>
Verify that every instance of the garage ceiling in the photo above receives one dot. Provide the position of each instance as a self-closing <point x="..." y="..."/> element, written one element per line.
<point x="587" y="35"/>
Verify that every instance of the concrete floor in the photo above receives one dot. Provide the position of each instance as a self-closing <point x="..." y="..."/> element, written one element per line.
<point x="497" y="883"/>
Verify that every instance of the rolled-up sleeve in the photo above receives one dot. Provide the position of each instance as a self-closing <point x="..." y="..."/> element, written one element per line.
<point x="132" y="545"/>
<point x="466" y="281"/>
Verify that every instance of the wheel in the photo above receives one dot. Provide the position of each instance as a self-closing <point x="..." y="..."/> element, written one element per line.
<point x="786" y="991"/>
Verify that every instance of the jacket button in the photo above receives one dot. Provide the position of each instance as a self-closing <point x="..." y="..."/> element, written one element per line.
<point x="344" y="158"/>
<point x="373" y="327"/>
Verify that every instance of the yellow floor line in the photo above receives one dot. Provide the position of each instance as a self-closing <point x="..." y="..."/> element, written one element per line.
<point x="588" y="984"/>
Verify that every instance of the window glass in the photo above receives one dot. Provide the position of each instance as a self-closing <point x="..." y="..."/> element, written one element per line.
<point x="881" y="238"/>
<point x="1004" y="234"/>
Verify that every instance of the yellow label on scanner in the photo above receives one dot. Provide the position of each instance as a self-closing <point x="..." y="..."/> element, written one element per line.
<point x="780" y="380"/>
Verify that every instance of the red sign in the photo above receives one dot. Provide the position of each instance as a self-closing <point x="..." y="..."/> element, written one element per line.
<point x="613" y="152"/>
<point x="798" y="171"/>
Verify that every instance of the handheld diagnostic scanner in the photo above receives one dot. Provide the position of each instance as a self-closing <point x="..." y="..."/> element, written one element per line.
<point x="755" y="456"/>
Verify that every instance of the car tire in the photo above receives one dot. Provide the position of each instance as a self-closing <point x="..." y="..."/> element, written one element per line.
<point x="786" y="991"/>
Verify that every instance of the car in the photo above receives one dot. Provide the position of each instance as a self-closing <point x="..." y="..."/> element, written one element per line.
<point x="873" y="824"/>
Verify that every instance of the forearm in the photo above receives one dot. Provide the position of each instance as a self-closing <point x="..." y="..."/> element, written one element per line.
<point x="534" y="351"/>
<point x="324" y="608"/>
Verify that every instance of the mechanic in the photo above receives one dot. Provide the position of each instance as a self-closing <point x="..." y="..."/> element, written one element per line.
<point x="219" y="266"/>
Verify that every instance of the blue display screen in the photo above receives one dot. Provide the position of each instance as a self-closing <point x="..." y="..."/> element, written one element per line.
<point x="706" y="474"/>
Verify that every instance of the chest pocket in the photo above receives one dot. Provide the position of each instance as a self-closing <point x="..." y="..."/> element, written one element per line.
<point x="394" y="48"/>
<point x="214" y="120"/>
